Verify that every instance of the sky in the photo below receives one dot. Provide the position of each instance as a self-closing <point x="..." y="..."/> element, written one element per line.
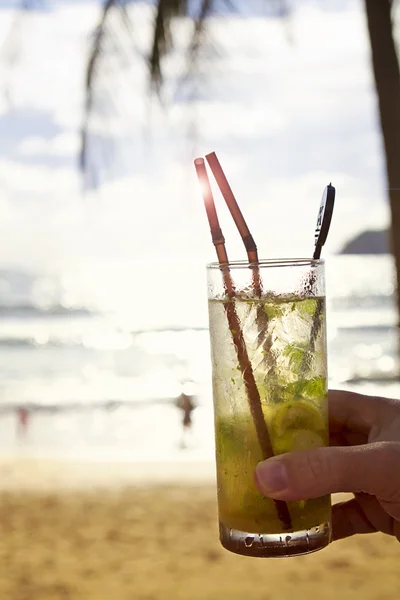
<point x="288" y="107"/>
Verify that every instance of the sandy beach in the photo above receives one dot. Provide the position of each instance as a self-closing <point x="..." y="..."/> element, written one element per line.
<point x="86" y="539"/>
<point x="27" y="474"/>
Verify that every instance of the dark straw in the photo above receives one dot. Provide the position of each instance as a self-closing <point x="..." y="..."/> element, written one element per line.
<point x="321" y="234"/>
<point x="237" y="334"/>
<point x="233" y="206"/>
<point x="252" y="254"/>
<point x="238" y="218"/>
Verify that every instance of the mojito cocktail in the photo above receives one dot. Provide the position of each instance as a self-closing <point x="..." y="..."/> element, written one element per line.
<point x="284" y="330"/>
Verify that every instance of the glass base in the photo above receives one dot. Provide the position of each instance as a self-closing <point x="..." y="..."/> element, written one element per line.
<point x="270" y="545"/>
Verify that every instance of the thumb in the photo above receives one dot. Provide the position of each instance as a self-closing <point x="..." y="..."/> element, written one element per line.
<point x="371" y="468"/>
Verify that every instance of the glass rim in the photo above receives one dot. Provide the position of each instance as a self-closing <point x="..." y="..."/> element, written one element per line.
<point x="268" y="263"/>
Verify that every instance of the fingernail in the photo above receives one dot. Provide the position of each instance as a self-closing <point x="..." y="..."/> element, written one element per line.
<point x="271" y="477"/>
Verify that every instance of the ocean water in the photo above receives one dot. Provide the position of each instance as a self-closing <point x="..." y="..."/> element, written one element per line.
<point x="99" y="357"/>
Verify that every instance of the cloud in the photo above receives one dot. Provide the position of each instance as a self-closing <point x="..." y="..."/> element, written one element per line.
<point x="285" y="120"/>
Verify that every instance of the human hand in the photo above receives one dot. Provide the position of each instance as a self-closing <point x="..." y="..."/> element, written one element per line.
<point x="364" y="458"/>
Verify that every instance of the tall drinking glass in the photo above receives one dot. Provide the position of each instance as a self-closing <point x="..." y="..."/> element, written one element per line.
<point x="280" y="330"/>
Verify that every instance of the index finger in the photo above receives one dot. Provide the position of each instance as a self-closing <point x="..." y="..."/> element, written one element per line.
<point x="358" y="412"/>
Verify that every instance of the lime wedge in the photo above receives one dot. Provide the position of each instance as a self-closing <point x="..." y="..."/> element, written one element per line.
<point x="296" y="415"/>
<point x="298" y="439"/>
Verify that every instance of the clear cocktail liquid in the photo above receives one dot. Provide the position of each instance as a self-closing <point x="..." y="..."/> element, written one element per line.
<point x="285" y="340"/>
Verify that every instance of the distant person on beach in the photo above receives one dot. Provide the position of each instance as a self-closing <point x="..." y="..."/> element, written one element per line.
<point x="22" y="421"/>
<point x="186" y="402"/>
<point x="363" y="458"/>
